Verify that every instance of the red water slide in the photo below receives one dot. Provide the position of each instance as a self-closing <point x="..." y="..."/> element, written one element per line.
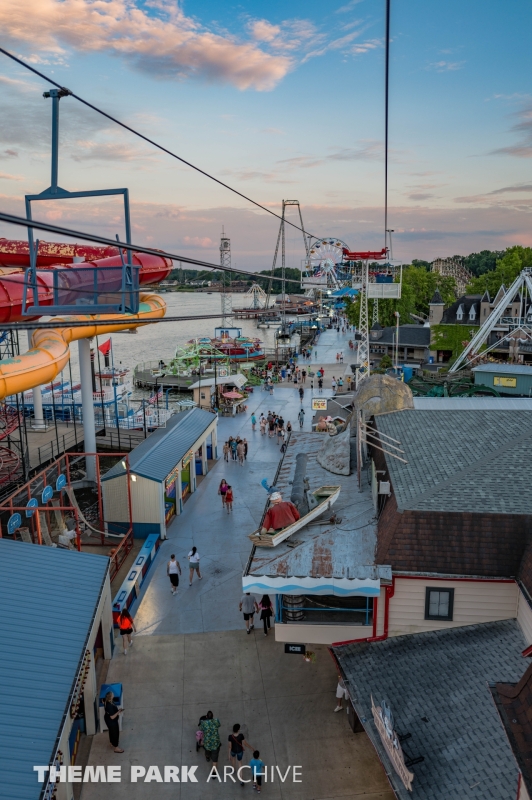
<point x="15" y="257"/>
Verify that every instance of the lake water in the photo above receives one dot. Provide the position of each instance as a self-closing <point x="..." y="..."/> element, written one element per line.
<point x="160" y="340"/>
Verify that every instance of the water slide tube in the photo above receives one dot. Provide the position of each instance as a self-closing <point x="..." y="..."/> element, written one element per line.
<point x="54" y="256"/>
<point x="50" y="351"/>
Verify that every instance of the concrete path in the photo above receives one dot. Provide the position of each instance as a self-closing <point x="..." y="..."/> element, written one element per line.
<point x="284" y="705"/>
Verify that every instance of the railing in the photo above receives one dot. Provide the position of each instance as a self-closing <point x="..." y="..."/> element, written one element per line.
<point x="119" y="556"/>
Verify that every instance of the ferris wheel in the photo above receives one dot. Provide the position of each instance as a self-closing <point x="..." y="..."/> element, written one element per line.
<point x="325" y="257"/>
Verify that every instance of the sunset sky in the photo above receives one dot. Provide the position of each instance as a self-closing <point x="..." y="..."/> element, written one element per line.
<point x="279" y="106"/>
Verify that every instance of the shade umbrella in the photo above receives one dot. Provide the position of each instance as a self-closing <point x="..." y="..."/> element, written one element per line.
<point x="233" y="395"/>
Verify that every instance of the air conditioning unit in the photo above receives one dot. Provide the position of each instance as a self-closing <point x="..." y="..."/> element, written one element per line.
<point x="384" y="487"/>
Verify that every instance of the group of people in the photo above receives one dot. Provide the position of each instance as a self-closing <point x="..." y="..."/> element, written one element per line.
<point x="340" y="356"/>
<point x="275" y="425"/>
<point x="249" y="607"/>
<point x="237" y="448"/>
<point x="226" y="493"/>
<point x="208" y="737"/>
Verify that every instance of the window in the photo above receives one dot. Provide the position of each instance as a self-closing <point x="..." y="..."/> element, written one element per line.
<point x="439" y="603"/>
<point x="472" y="312"/>
<point x="460" y="313"/>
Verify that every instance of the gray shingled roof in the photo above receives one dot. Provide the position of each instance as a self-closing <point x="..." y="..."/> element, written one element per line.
<point x="409" y="336"/>
<point x="157" y="455"/>
<point x="468" y="461"/>
<point x="442" y="676"/>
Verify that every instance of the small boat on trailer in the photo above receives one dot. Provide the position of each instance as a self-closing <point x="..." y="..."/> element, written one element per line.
<point x="319" y="500"/>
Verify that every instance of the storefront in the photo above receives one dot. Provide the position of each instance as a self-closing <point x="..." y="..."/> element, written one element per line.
<point x="163" y="472"/>
<point x="51" y="641"/>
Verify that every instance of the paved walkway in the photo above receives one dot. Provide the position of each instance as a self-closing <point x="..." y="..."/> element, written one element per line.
<point x="284" y="704"/>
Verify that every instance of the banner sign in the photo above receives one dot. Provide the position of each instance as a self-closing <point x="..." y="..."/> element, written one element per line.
<point x="319" y="404"/>
<point x="383" y="719"/>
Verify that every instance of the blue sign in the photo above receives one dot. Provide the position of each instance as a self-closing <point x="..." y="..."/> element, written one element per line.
<point x="13" y="523"/>
<point x="31" y="505"/>
<point x="60" y="482"/>
<point x="47" y="494"/>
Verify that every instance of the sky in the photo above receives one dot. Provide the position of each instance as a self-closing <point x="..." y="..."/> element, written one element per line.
<point x="279" y="101"/>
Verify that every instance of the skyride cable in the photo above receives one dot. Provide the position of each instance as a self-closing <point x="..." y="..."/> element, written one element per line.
<point x="150" y="141"/>
<point x="12" y="219"/>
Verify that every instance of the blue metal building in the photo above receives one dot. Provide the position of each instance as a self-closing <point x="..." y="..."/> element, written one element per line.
<point x="55" y="620"/>
<point x="162" y="472"/>
<point x="507" y="379"/>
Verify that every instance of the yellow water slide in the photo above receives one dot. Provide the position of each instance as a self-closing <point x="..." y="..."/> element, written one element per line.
<point x="51" y="346"/>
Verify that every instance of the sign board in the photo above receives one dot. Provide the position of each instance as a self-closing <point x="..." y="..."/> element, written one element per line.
<point x="48" y="493"/>
<point x="171" y="477"/>
<point x="60" y="483"/>
<point x="319" y="404"/>
<point x="383" y="719"/>
<point x="511" y="383"/>
<point x="296" y="649"/>
<point x="13" y="523"/>
<point x="188" y="458"/>
<point x="31" y="505"/>
<point x="222" y="372"/>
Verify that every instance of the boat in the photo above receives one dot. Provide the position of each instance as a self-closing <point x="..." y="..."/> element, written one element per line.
<point x="320" y="500"/>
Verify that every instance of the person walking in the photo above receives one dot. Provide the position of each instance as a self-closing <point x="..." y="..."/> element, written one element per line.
<point x="301" y="417"/>
<point x="280" y="432"/>
<point x="193" y="560"/>
<point x="211" y="738"/>
<point x="316" y="354"/>
<point x="248" y="606"/>
<point x="127" y="626"/>
<point x="333" y="384"/>
<point x="301" y="394"/>
<point x="271" y="427"/>
<point x="173" y="570"/>
<point x="340" y="383"/>
<point x="245" y="449"/>
<point x="253" y="422"/>
<point x="312" y="384"/>
<point x="289" y="427"/>
<point x="226" y="450"/>
<point x="234" y="445"/>
<point x="222" y="489"/>
<point x="240" y="449"/>
<point x="348" y="381"/>
<point x="266" y="611"/>
<point x="237" y="743"/>
<point x="229" y="499"/>
<point x="111" y="715"/>
<point x="303" y="375"/>
<point x="263" y="423"/>
<point x="320" y="385"/>
<point x="341" y="693"/>
<point x="257" y="770"/>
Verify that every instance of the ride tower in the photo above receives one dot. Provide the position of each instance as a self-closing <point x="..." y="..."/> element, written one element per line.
<point x="225" y="294"/>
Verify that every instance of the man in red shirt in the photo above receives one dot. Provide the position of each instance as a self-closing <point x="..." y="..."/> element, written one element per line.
<point x="280" y="514"/>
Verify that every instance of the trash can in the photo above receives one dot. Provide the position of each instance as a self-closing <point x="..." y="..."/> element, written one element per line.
<point x="118" y="700"/>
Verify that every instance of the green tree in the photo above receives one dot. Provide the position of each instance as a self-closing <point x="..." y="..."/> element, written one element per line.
<point x="485" y="261"/>
<point x="506" y="271"/>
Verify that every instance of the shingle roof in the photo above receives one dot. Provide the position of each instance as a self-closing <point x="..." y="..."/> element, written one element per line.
<point x="157" y="455"/>
<point x="409" y="335"/>
<point x="436" y="686"/>
<point x="42" y="638"/>
<point x="514" y="704"/>
<point x="456" y="460"/>
<point x="467" y="300"/>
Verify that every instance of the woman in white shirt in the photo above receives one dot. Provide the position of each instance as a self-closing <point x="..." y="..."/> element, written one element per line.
<point x="193" y="560"/>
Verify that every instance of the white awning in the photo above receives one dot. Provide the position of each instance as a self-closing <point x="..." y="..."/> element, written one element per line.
<point x="341" y="587"/>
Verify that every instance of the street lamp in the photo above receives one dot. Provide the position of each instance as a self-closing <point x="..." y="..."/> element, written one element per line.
<point x="389" y="231"/>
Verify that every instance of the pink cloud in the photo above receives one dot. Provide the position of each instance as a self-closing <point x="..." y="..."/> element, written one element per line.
<point x="166" y="44"/>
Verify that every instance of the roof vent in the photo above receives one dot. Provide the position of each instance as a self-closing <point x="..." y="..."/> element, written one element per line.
<point x="384" y="487"/>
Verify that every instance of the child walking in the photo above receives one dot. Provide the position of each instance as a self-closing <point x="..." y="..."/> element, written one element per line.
<point x="229" y="499"/>
<point x="257" y="770"/>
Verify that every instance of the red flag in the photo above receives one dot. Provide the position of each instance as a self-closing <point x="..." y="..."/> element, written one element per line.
<point x="105" y="347"/>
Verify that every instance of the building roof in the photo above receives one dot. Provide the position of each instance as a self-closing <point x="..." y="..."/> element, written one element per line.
<point x="435" y="683"/>
<point x="514" y="704"/>
<point x="335" y="555"/>
<point x="504" y="369"/>
<point x="409" y="336"/>
<point x="157" y="455"/>
<point x="437" y="299"/>
<point x="230" y="380"/>
<point x="473" y="403"/>
<point x="465" y="302"/>
<point x="456" y="460"/>
<point x="43" y="634"/>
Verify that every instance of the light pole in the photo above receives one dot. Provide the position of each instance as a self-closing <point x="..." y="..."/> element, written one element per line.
<point x="389" y="231"/>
